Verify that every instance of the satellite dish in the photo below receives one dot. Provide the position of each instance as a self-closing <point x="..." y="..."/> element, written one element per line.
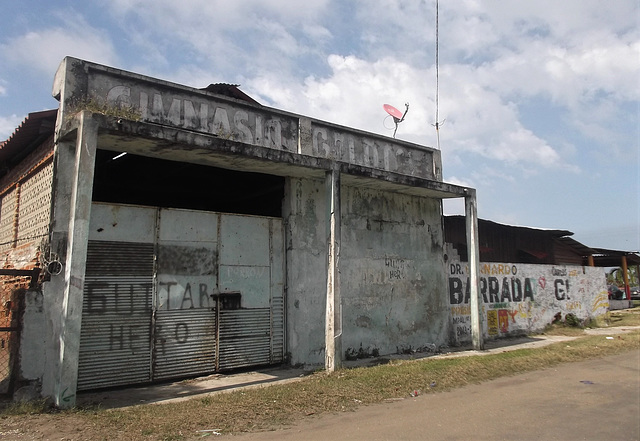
<point x="397" y="115"/>
<point x="392" y="111"/>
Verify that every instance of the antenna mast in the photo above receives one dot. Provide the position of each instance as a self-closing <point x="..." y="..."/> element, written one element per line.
<point x="438" y="124"/>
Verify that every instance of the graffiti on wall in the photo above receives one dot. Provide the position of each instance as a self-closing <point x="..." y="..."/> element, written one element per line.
<point x="131" y="304"/>
<point x="521" y="298"/>
<point x="174" y="294"/>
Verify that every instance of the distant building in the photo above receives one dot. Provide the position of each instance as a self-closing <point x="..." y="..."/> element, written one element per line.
<point x="516" y="244"/>
<point x="508" y="243"/>
<point x="529" y="278"/>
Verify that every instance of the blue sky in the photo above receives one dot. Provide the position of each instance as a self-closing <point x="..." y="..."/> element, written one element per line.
<point x="540" y="99"/>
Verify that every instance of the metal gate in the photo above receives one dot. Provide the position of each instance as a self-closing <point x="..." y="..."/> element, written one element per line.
<point x="185" y="311"/>
<point x="176" y="293"/>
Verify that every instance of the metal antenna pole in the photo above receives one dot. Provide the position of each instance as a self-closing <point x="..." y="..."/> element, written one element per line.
<point x="437" y="124"/>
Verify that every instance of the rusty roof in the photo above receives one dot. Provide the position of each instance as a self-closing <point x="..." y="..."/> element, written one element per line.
<point x="230" y="90"/>
<point x="35" y="128"/>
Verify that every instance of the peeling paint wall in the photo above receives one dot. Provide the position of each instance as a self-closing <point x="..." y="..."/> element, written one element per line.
<point x="391" y="269"/>
<point x="81" y="85"/>
<point x="392" y="278"/>
<point x="520" y="299"/>
<point x="306" y="274"/>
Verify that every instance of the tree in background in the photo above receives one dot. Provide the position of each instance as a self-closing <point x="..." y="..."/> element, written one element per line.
<point x="615" y="277"/>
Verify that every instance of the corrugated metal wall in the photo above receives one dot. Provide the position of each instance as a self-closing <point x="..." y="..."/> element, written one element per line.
<point x="115" y="338"/>
<point x="184" y="343"/>
<point x="185" y="339"/>
<point x="176" y="293"/>
<point x="245" y="338"/>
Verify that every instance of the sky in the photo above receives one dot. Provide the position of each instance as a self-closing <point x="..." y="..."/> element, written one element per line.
<point x="538" y="102"/>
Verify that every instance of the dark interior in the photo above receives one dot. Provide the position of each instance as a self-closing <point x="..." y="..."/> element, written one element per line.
<point x="138" y="180"/>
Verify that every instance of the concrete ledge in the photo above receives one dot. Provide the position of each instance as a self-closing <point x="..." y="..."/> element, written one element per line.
<point x="619" y="304"/>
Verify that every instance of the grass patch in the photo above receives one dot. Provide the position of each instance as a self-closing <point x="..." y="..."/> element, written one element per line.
<point x="26" y="408"/>
<point x="279" y="405"/>
<point x="573" y="328"/>
<point x="562" y="329"/>
<point x="630" y="317"/>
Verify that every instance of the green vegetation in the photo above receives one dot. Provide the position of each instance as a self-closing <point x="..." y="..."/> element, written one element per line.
<point x="571" y="326"/>
<point x="26" y="408"/>
<point x="118" y="111"/>
<point x="615" y="276"/>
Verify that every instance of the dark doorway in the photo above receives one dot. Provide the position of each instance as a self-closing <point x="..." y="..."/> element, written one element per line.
<point x="138" y="180"/>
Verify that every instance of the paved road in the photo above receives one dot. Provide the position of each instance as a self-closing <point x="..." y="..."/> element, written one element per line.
<point x="592" y="400"/>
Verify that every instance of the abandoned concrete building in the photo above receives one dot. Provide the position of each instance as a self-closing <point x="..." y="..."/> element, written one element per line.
<point x="153" y="231"/>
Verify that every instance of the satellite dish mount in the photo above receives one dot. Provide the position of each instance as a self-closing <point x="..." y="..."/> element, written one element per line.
<point x="397" y="115"/>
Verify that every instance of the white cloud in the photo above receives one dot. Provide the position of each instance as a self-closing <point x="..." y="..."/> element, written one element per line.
<point x="479" y="121"/>
<point x="43" y="50"/>
<point x="8" y="124"/>
<point x="219" y="12"/>
<point x="316" y="32"/>
<point x="578" y="55"/>
<point x="510" y="52"/>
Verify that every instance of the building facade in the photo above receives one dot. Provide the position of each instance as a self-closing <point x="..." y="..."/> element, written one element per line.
<point x="191" y="231"/>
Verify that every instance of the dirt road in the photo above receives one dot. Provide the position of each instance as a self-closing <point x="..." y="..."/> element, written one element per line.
<point x="593" y="400"/>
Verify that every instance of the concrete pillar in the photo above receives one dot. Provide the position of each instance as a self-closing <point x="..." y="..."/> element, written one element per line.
<point x="82" y="170"/>
<point x="471" y="213"/>
<point x="333" y="319"/>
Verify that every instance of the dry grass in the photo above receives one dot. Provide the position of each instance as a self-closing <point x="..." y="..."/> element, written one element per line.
<point x="628" y="317"/>
<point x="278" y="405"/>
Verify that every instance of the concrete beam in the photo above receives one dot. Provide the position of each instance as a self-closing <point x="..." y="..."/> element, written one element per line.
<point x="175" y="144"/>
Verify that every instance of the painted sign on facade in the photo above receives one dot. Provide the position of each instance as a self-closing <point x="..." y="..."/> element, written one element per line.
<point x="524" y="298"/>
<point x="106" y="90"/>
<point x="368" y="151"/>
<point x="220" y="118"/>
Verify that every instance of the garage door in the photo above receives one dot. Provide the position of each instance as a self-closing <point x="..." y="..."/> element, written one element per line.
<point x="178" y="293"/>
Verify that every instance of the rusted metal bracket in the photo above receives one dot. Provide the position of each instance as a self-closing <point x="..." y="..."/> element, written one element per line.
<point x="33" y="273"/>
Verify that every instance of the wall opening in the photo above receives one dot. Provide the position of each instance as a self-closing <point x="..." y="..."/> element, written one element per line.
<point x="139" y="180"/>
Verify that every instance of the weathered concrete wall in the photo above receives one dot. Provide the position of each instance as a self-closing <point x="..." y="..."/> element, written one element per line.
<point x="620" y="304"/>
<point x="304" y="214"/>
<point x="392" y="272"/>
<point x="81" y="85"/>
<point x="523" y="298"/>
<point x="392" y="279"/>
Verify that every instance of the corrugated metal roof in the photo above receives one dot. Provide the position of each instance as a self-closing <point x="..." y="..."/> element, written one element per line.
<point x="454" y="225"/>
<point x="581" y="248"/>
<point x="549" y="231"/>
<point x="230" y="90"/>
<point x="606" y="258"/>
<point x="35" y="128"/>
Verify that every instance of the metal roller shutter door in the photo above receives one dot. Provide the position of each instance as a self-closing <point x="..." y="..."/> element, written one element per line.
<point x="115" y="337"/>
<point x="185" y="343"/>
